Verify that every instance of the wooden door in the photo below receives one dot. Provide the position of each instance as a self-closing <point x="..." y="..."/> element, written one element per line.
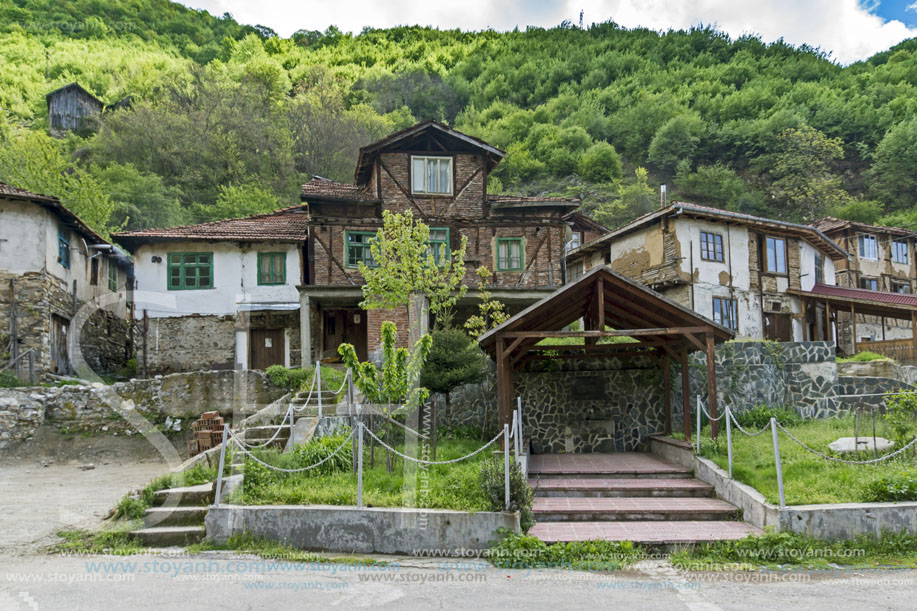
<point x="266" y="348"/>
<point x="332" y="332"/>
<point x="60" y="359"/>
<point x="355" y="332"/>
<point x="778" y="326"/>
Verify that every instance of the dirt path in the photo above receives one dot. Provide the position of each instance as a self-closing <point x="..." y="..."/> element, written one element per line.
<point x="46" y="485"/>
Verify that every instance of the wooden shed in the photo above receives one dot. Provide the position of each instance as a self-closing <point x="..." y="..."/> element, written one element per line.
<point x="71" y="107"/>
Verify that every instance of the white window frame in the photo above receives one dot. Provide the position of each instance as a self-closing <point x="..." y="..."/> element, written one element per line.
<point x="861" y="246"/>
<point x="426" y="159"/>
<point x="906" y="252"/>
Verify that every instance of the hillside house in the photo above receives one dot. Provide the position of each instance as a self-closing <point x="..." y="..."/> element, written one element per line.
<point x="72" y="108"/>
<point x="882" y="261"/>
<point x="51" y="266"/>
<point x="284" y="288"/>
<point x="736" y="269"/>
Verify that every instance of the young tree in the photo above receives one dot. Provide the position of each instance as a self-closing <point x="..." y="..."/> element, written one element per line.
<point x="491" y="311"/>
<point x="454" y="360"/>
<point x="398" y="382"/>
<point x="405" y="264"/>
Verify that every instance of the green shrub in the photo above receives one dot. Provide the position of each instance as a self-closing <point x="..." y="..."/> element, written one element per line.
<point x="521" y="495"/>
<point x="295" y="379"/>
<point x="8" y="380"/>
<point x="516" y="551"/>
<point x="901" y="415"/>
<point x="900" y="486"/>
<point x="259" y="477"/>
<point x="760" y="416"/>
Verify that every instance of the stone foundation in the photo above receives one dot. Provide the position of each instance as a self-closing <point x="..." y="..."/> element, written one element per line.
<point x="97" y="407"/>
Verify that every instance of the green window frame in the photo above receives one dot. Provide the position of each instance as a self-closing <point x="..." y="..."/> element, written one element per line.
<point x="510" y="254"/>
<point x="356" y="248"/>
<point x="190" y="271"/>
<point x="439" y="237"/>
<point x="63" y="247"/>
<point x="112" y="277"/>
<point x="272" y="268"/>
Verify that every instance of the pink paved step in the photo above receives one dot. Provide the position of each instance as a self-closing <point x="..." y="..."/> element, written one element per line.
<point x="619" y="487"/>
<point x="618" y="465"/>
<point x="647" y="533"/>
<point x="631" y="509"/>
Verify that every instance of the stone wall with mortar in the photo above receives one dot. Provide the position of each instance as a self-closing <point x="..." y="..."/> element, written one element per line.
<point x="799" y="375"/>
<point x="98" y="408"/>
<point x="189" y="343"/>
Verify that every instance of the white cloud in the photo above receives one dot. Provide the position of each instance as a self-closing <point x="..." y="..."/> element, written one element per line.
<point x="912" y="7"/>
<point x="845" y="28"/>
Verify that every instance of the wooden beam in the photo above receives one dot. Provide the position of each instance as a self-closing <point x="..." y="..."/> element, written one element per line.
<point x="502" y="407"/>
<point x="697" y="343"/>
<point x="600" y="304"/>
<point x="686" y="394"/>
<point x="805" y="320"/>
<point x="615" y="333"/>
<point x="667" y="391"/>
<point x="853" y="324"/>
<point x="711" y="386"/>
<point x="829" y="331"/>
<point x="914" y="333"/>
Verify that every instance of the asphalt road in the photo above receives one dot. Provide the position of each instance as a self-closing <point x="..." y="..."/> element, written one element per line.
<point x="210" y="581"/>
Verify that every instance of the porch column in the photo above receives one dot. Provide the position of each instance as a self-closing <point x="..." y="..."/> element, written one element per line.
<point x="685" y="394"/>
<point x="829" y="331"/>
<point x="914" y="333"/>
<point x="667" y="390"/>
<point x="305" y="329"/>
<point x="711" y="387"/>
<point x="853" y="329"/>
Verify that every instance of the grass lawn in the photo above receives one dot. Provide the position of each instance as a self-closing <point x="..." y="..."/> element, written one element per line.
<point x="453" y="486"/>
<point x="809" y="479"/>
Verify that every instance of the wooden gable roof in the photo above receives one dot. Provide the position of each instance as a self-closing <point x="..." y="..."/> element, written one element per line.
<point x="617" y="302"/>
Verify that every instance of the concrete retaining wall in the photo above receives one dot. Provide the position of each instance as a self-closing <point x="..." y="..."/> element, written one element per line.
<point x="830" y="521"/>
<point x="367" y="530"/>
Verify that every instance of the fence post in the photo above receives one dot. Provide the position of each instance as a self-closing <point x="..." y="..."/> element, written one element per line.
<point x="360" y="463"/>
<point x="697" y="430"/>
<point x="777" y="461"/>
<point x="729" y="437"/>
<point x="290" y="415"/>
<point x="506" y="463"/>
<point x="318" y="377"/>
<point x="219" y="489"/>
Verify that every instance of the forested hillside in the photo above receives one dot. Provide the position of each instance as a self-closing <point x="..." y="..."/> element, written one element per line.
<point x="228" y="120"/>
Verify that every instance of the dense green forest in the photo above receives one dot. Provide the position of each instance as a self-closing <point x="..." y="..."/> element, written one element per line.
<point x="228" y="120"/>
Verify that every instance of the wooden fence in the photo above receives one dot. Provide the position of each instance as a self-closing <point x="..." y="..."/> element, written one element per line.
<point x="902" y="350"/>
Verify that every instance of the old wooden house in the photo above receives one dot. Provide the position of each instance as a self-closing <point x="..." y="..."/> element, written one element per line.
<point x="285" y="287"/>
<point x="71" y="107"/>
<point x="740" y="271"/>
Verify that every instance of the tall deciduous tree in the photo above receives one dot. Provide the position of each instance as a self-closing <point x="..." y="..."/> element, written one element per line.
<point x="804" y="174"/>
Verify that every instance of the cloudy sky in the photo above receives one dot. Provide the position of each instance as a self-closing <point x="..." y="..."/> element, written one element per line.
<point x="848" y="29"/>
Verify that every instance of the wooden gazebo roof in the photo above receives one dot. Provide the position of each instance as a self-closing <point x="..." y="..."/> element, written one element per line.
<point x="611" y="305"/>
<point x="604" y="296"/>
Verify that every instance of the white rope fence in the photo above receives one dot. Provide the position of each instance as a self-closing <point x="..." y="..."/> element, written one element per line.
<point x="245" y="444"/>
<point x="281" y="469"/>
<point x="515" y="434"/>
<point x="775" y="426"/>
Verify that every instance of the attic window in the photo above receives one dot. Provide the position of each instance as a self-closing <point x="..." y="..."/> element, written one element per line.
<point x="431" y="175"/>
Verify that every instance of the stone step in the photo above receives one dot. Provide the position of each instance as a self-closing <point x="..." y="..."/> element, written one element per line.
<point x="188" y="496"/>
<point x="260" y="434"/>
<point x="620" y="487"/>
<point x="616" y="465"/>
<point x="174" y="516"/>
<point x="166" y="536"/>
<point x="631" y="509"/>
<point x="650" y="533"/>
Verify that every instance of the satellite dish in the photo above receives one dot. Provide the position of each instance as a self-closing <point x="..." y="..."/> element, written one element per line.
<point x="568" y="233"/>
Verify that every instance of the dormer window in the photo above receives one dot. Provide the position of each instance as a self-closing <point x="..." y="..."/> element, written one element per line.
<point x="431" y="175"/>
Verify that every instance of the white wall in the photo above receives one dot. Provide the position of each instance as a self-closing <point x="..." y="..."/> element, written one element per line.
<point x="807" y="254"/>
<point x="235" y="279"/>
<point x="28" y="243"/>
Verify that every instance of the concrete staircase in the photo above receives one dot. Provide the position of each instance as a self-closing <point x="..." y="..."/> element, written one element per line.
<point x="627" y="497"/>
<point x="165" y="526"/>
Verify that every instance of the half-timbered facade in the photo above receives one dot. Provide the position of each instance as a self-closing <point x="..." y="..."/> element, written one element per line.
<point x="285" y="288"/>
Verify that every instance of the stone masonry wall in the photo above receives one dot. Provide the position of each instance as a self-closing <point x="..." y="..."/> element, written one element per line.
<point x="97" y="407"/>
<point x="189" y="343"/>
